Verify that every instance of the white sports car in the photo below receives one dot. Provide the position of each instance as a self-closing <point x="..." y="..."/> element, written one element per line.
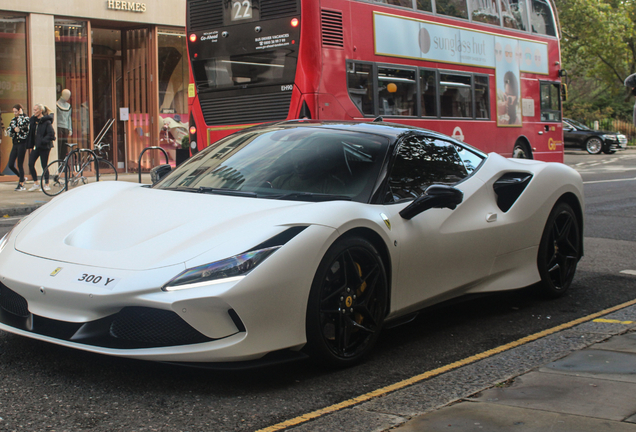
<point x="295" y="237"/>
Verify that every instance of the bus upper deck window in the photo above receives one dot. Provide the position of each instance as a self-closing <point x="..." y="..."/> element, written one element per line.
<point x="541" y="18"/>
<point x="425" y="5"/>
<point x="455" y="8"/>
<point x="514" y="14"/>
<point x="485" y="11"/>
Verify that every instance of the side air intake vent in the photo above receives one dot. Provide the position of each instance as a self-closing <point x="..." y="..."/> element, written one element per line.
<point x="246" y="109"/>
<point x="278" y="8"/>
<point x="509" y="187"/>
<point x="332" y="34"/>
<point x="204" y="14"/>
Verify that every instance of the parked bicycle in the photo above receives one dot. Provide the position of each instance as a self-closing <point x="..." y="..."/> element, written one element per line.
<point x="105" y="166"/>
<point x="75" y="170"/>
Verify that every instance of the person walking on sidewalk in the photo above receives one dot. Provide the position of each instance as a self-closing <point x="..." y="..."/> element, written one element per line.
<point x="18" y="130"/>
<point x="41" y="137"/>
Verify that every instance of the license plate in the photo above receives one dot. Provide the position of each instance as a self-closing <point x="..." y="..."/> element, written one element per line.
<point x="97" y="280"/>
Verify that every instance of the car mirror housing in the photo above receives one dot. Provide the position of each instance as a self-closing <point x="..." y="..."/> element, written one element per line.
<point x="436" y="196"/>
<point x="159" y="172"/>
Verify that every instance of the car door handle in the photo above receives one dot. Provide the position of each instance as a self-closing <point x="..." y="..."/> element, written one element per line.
<point x="491" y="217"/>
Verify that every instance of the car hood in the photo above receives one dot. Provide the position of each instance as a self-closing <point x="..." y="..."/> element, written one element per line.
<point x="125" y="226"/>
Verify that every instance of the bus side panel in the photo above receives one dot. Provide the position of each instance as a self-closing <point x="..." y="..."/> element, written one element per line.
<point x="308" y="69"/>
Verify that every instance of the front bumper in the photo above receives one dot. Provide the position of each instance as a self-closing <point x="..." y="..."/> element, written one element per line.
<point x="225" y="322"/>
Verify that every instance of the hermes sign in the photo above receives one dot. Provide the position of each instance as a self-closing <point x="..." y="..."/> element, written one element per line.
<point x="126" y="6"/>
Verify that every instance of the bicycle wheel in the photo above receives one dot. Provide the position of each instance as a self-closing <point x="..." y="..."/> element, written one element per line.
<point x="107" y="170"/>
<point x="57" y="178"/>
<point x="81" y="171"/>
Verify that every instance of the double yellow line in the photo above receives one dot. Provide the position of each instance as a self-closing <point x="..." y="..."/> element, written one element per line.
<point x="421" y="377"/>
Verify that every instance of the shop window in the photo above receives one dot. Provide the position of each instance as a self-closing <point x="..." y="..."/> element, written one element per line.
<point x="360" y="85"/>
<point x="173" y="91"/>
<point x="71" y="76"/>
<point x="550" y="102"/>
<point x="425" y="5"/>
<point x="421" y="162"/>
<point x="541" y="18"/>
<point x="428" y="86"/>
<point x="456" y="96"/>
<point x="515" y="14"/>
<point x="485" y="11"/>
<point x="397" y="90"/>
<point x="13" y="78"/>
<point x="454" y="8"/>
<point x="482" y="97"/>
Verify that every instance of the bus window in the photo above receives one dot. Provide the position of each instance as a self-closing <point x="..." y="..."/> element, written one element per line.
<point x="396" y="91"/>
<point x="550" y="102"/>
<point x="482" y="97"/>
<point x="541" y="18"/>
<point x="455" y="96"/>
<point x="425" y="5"/>
<point x="485" y="11"/>
<point x="360" y="84"/>
<point x="515" y="14"/>
<point x="428" y="85"/>
<point x="404" y="3"/>
<point x="456" y="8"/>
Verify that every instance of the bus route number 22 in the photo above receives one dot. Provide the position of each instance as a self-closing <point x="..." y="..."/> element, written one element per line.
<point x="241" y="10"/>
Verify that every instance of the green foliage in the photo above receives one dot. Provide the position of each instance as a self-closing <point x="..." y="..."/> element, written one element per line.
<point x="599" y="51"/>
<point x="185" y="142"/>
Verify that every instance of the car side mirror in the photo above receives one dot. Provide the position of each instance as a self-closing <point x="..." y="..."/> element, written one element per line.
<point x="436" y="196"/>
<point x="159" y="172"/>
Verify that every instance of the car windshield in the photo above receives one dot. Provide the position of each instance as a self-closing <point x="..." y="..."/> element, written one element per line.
<point x="578" y="125"/>
<point x="301" y="163"/>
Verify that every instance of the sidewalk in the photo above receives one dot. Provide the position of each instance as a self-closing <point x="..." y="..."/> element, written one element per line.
<point x="580" y="378"/>
<point x="14" y="203"/>
<point x="593" y="390"/>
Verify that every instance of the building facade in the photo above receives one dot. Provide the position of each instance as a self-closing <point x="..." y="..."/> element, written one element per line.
<point x="123" y="63"/>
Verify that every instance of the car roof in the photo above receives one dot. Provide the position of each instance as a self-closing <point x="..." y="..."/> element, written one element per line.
<point x="390" y="130"/>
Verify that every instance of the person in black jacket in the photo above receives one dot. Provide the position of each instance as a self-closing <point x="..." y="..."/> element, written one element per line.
<point x="41" y="137"/>
<point x="18" y="130"/>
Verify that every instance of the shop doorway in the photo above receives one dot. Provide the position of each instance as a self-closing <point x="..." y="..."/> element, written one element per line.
<point x="108" y="94"/>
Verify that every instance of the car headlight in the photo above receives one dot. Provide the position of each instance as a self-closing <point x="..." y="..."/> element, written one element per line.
<point x="609" y="137"/>
<point x="233" y="268"/>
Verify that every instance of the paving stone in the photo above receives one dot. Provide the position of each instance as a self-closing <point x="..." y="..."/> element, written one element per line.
<point x="471" y="416"/>
<point x="610" y="365"/>
<point x="624" y="343"/>
<point x="591" y="397"/>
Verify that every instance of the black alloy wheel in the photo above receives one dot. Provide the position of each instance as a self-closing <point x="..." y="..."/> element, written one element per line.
<point x="347" y="303"/>
<point x="559" y="251"/>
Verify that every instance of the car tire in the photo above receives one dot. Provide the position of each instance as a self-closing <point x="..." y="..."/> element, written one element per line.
<point x="594" y="145"/>
<point x="347" y="303"/>
<point x="559" y="251"/>
<point x="520" y="151"/>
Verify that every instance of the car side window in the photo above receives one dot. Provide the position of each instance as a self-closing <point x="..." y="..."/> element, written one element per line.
<point x="471" y="160"/>
<point x="420" y="162"/>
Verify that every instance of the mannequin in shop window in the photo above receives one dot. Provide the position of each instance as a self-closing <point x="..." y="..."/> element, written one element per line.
<point x="64" y="123"/>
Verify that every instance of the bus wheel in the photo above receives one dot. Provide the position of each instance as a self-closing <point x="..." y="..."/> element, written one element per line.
<point x="520" y="151"/>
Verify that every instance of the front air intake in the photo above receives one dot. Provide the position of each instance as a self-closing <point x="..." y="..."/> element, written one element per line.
<point x="278" y="8"/>
<point x="204" y="15"/>
<point x="246" y="109"/>
<point x="13" y="302"/>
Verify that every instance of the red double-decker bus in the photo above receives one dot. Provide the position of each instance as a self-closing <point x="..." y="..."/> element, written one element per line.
<point x="486" y="72"/>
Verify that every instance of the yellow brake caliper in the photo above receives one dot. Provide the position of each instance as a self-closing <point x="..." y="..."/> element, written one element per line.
<point x="359" y="318"/>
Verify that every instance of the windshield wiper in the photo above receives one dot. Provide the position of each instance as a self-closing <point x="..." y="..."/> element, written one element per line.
<point x="311" y="196"/>
<point x="232" y="192"/>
